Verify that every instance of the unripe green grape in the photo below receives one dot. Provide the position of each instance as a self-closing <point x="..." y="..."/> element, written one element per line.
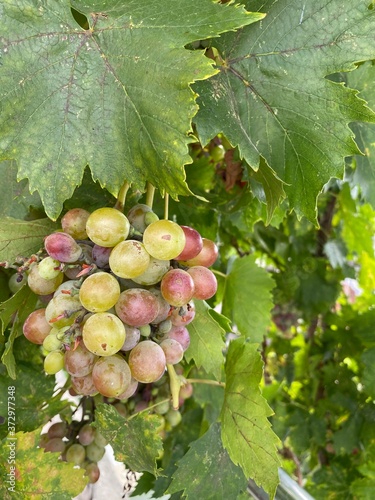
<point x="107" y="227"/>
<point x="49" y="268"/>
<point x="145" y="330"/>
<point x="94" y="452"/>
<point x="62" y="310"/>
<point x="129" y="259"/>
<point x="162" y="405"/>
<point x="147" y="362"/>
<point x="36" y="328"/>
<point x="103" y="334"/>
<point x="16" y="281"/>
<point x="54" y="362"/>
<point x="99" y="292"/>
<point x="111" y="375"/>
<point x="75" y="454"/>
<point x="173" y="417"/>
<point x="165" y="326"/>
<point x="164" y="239"/>
<point x="150" y="217"/>
<point x="74" y="223"/>
<point x="41" y="286"/>
<point x="51" y="342"/>
<point x="154" y="272"/>
<point x="100" y="440"/>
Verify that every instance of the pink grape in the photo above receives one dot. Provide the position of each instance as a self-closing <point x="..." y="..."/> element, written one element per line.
<point x="80" y="362"/>
<point x="130" y="390"/>
<point x="100" y="256"/>
<point x="206" y="257"/>
<point x="177" y="287"/>
<point x="179" y="333"/>
<point x="173" y="351"/>
<point x="36" y="328"/>
<point x="84" y="385"/>
<point x="62" y="247"/>
<point x="205" y="283"/>
<point x="133" y="335"/>
<point x="92" y="472"/>
<point x="86" y="434"/>
<point x="137" y="307"/>
<point x="193" y="245"/>
<point x="55" y="445"/>
<point x="111" y="375"/>
<point x="74" y="223"/>
<point x="164" y="307"/>
<point x="147" y="362"/>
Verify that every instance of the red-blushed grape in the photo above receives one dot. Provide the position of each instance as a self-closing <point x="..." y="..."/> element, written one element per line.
<point x="36" y="328"/>
<point x="107" y="227"/>
<point x="99" y="292"/>
<point x="41" y="286"/>
<point x="182" y="316"/>
<point x="205" y="283"/>
<point x="130" y="390"/>
<point x="154" y="272"/>
<point x="186" y="391"/>
<point x="100" y="256"/>
<point x="92" y="472"/>
<point x="57" y="430"/>
<point x="55" y="445"/>
<point x="206" y="257"/>
<point x="179" y="333"/>
<point x="147" y="361"/>
<point x="133" y="335"/>
<point x="62" y="310"/>
<point x="193" y="245"/>
<point x="53" y="362"/>
<point x="111" y="375"/>
<point x="164" y="307"/>
<point x="129" y="259"/>
<point x="173" y="351"/>
<point x="74" y="223"/>
<point x="80" y="361"/>
<point x="84" y="386"/>
<point x="164" y="239"/>
<point x="177" y="287"/>
<point x="103" y="334"/>
<point x="86" y="434"/>
<point x="62" y="247"/>
<point x="49" y="268"/>
<point x="136" y="216"/>
<point x="137" y="307"/>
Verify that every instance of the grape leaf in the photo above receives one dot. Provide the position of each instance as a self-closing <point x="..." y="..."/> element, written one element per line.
<point x="135" y="441"/>
<point x="218" y="479"/>
<point x="247" y="298"/>
<point x="246" y="432"/>
<point x="15" y="310"/>
<point x="206" y="341"/>
<point x="18" y="237"/>
<point x="38" y="475"/>
<point x="115" y="96"/>
<point x="271" y="97"/>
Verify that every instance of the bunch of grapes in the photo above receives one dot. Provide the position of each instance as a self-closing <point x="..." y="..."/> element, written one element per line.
<point x="118" y="292"/>
<point x="83" y="446"/>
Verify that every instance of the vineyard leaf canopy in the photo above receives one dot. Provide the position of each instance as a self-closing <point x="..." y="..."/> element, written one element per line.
<point x="115" y="96"/>
<point x="271" y="97"/>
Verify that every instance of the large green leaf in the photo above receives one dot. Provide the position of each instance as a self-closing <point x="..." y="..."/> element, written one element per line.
<point x="271" y="97"/>
<point x="246" y="431"/>
<point x="218" y="479"/>
<point x="136" y="441"/>
<point x="38" y="475"/>
<point x="247" y="298"/>
<point x="115" y="96"/>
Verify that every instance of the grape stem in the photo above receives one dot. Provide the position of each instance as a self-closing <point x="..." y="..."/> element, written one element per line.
<point x="121" y="197"/>
<point x="219" y="273"/>
<point x="150" y="194"/>
<point x="175" y="386"/>
<point x="205" y="381"/>
<point x="166" y="206"/>
<point x="149" y="408"/>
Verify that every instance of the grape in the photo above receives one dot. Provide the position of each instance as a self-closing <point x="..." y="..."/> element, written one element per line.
<point x="162" y="406"/>
<point x="164" y="307"/>
<point x="62" y="247"/>
<point x="44" y="439"/>
<point x="86" y="434"/>
<point x="205" y="283"/>
<point x="55" y="445"/>
<point x="137" y="307"/>
<point x="165" y="326"/>
<point x="173" y="351"/>
<point x="70" y="287"/>
<point x="130" y="390"/>
<point x="147" y="361"/>
<point x="84" y="385"/>
<point x="57" y="430"/>
<point x="95" y="452"/>
<point x="54" y="362"/>
<point x="150" y="217"/>
<point x="154" y="272"/>
<point x="49" y="268"/>
<point x="136" y="216"/>
<point x="193" y="245"/>
<point x="75" y="454"/>
<point x="79" y="362"/>
<point x="182" y="316"/>
<point x="111" y="375"/>
<point x="41" y="286"/>
<point x="74" y="223"/>
<point x="103" y="334"/>
<point x="133" y="335"/>
<point x="186" y="391"/>
<point x="179" y="333"/>
<point x="129" y="259"/>
<point x="92" y="472"/>
<point x="121" y="409"/>
<point x="51" y="342"/>
<point x="206" y="257"/>
<point x="100" y="256"/>
<point x="62" y="310"/>
<point x="100" y="440"/>
<point x="16" y="281"/>
<point x="177" y="287"/>
<point x="145" y="330"/>
<point x="35" y="327"/>
<point x="164" y="239"/>
<point x="173" y="417"/>
<point x="72" y="271"/>
<point x="107" y="227"/>
<point x="99" y="292"/>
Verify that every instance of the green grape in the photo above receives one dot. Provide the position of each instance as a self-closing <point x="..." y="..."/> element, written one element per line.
<point x="154" y="272"/>
<point x="107" y="227"/>
<point x="54" y="362"/>
<point x="86" y="434"/>
<point x="76" y="454"/>
<point x="145" y="330"/>
<point x="94" y="452"/>
<point x="100" y="440"/>
<point x="16" y="281"/>
<point x="99" y="292"/>
<point x="70" y="287"/>
<point x="173" y="417"/>
<point x="111" y="375"/>
<point x="57" y="430"/>
<point x="49" y="268"/>
<point x="62" y="310"/>
<point x="147" y="362"/>
<point x="164" y="239"/>
<point x="74" y="223"/>
<point x="36" y="328"/>
<point x="41" y="286"/>
<point x="51" y="342"/>
<point x="150" y="217"/>
<point x="103" y="334"/>
<point x="129" y="259"/>
<point x="79" y="362"/>
<point x="165" y="326"/>
<point x="162" y="405"/>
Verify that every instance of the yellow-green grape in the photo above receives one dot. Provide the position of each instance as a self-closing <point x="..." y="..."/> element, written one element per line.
<point x="49" y="268"/>
<point x="76" y="454"/>
<point x="41" y="286"/>
<point x="164" y="239"/>
<point x="54" y="362"/>
<point x="129" y="259"/>
<point x="94" y="452"/>
<point x="103" y="334"/>
<point x="99" y="292"/>
<point x="51" y="342"/>
<point x="62" y="310"/>
<point x="107" y="227"/>
<point x="154" y="272"/>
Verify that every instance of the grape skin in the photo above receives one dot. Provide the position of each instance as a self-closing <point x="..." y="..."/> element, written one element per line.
<point x="53" y="362"/>
<point x="80" y="362"/>
<point x="179" y="333"/>
<point x="147" y="362"/>
<point x="173" y="351"/>
<point x="205" y="283"/>
<point x="206" y="257"/>
<point x="193" y="245"/>
<point x="41" y="286"/>
<point x="62" y="247"/>
<point x="84" y="385"/>
<point x="74" y="223"/>
<point x="103" y="334"/>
